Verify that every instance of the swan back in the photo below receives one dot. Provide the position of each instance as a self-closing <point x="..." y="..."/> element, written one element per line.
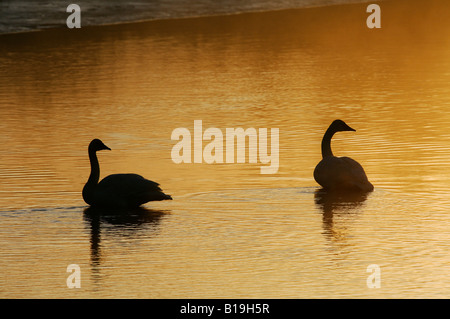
<point x="127" y="190"/>
<point x="341" y="173"/>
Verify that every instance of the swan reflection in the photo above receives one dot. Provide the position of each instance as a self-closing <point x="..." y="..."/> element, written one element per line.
<point x="127" y="223"/>
<point x="337" y="203"/>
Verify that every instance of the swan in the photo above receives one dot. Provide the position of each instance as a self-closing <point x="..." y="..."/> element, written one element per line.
<point x="339" y="173"/>
<point x="117" y="190"/>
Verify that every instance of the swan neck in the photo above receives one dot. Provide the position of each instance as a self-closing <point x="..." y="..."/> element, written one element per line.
<point x="326" y="143"/>
<point x="95" y="168"/>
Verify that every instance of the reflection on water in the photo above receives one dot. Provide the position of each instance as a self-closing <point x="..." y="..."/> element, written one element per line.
<point x="337" y="203"/>
<point x="231" y="231"/>
<point x="125" y="223"/>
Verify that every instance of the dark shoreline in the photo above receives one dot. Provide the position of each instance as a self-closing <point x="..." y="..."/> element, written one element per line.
<point x="402" y="21"/>
<point x="328" y="17"/>
<point x="58" y="26"/>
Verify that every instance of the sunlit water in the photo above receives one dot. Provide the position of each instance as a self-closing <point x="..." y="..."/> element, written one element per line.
<point x="230" y="231"/>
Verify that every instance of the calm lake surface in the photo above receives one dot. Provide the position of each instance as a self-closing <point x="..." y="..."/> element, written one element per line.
<point x="230" y="232"/>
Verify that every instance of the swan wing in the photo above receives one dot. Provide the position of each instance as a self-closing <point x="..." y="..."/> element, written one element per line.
<point x="341" y="173"/>
<point x="353" y="168"/>
<point x="129" y="190"/>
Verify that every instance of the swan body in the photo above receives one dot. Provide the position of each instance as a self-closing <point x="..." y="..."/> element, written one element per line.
<point x="118" y="190"/>
<point x="339" y="173"/>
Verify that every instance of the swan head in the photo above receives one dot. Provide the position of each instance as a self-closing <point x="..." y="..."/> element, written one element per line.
<point x="97" y="145"/>
<point x="340" y="126"/>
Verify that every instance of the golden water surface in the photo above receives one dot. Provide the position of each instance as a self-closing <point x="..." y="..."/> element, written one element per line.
<point x="230" y="231"/>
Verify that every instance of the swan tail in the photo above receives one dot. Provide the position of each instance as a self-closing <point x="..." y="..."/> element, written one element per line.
<point x="157" y="196"/>
<point x="167" y="197"/>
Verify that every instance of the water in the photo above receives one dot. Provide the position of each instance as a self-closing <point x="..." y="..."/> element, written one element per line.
<point x="230" y="231"/>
